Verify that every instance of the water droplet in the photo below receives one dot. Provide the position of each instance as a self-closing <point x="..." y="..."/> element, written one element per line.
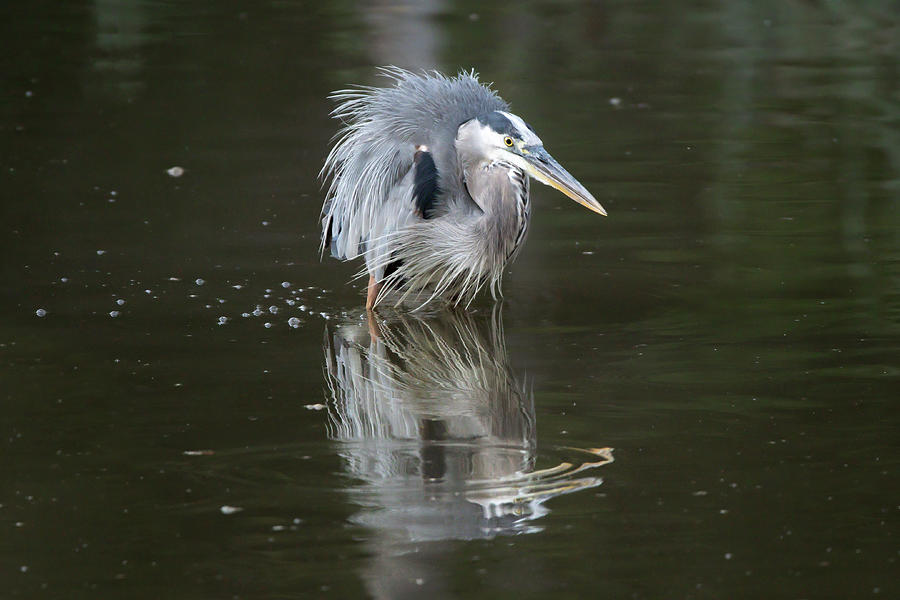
<point x="230" y="510"/>
<point x="294" y="322"/>
<point x="175" y="172"/>
<point x="285" y="284"/>
<point x="267" y="325"/>
<point x="199" y="281"/>
<point x="113" y="313"/>
<point x="223" y="320"/>
<point x="120" y="302"/>
<point x="101" y="252"/>
<point x="273" y="310"/>
<point x="41" y="312"/>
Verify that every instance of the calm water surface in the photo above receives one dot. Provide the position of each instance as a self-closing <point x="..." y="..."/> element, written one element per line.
<point x="693" y="398"/>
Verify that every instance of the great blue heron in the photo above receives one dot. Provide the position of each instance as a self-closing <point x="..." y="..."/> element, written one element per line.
<point x="429" y="182"/>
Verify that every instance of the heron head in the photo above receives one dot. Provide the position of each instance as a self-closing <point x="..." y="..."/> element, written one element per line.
<point x="504" y="137"/>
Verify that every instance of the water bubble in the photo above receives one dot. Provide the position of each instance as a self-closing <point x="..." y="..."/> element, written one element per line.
<point x="267" y="325"/>
<point x="41" y="312"/>
<point x="294" y="322"/>
<point x="120" y="302"/>
<point x="285" y="284"/>
<point x="64" y="279"/>
<point x="230" y="510"/>
<point x="257" y="311"/>
<point x="273" y="310"/>
<point x="175" y="171"/>
<point x="113" y="313"/>
<point x="101" y="252"/>
<point x="199" y="281"/>
<point x="222" y="320"/>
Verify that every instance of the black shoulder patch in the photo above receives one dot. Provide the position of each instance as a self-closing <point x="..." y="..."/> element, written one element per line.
<point x="425" y="187"/>
<point x="498" y="122"/>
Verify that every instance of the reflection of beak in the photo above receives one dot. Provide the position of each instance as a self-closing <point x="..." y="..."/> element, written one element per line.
<point x="545" y="169"/>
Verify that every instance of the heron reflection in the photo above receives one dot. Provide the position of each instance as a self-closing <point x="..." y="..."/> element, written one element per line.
<point x="431" y="421"/>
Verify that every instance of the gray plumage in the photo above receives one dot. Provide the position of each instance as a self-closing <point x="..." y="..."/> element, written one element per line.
<point x="429" y="183"/>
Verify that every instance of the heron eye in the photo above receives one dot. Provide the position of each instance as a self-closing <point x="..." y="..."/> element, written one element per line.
<point x="508" y="141"/>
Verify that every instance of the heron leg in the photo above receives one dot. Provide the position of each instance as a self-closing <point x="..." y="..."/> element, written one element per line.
<point x="372" y="295"/>
<point x="374" y="329"/>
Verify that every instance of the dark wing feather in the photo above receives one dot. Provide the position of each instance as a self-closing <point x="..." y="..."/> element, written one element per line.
<point x="425" y="187"/>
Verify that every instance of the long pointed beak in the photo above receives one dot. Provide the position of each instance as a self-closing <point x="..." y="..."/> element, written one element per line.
<point x="545" y="169"/>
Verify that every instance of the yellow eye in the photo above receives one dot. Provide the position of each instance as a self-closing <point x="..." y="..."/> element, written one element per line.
<point x="508" y="141"/>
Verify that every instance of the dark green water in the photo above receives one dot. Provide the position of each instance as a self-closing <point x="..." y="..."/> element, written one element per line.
<point x="732" y="329"/>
